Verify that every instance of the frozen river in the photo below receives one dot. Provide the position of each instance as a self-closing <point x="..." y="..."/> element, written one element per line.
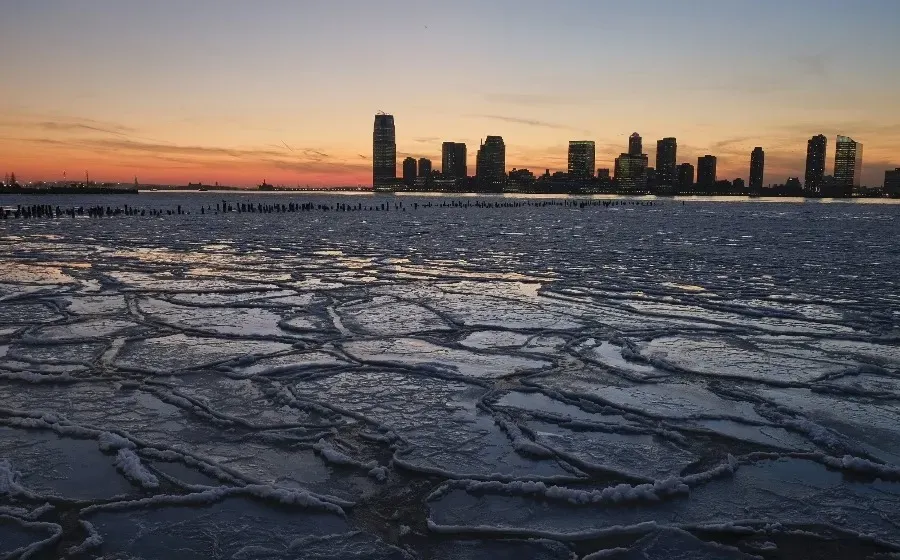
<point x="675" y="381"/>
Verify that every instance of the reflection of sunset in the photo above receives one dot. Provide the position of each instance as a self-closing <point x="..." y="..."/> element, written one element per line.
<point x="236" y="94"/>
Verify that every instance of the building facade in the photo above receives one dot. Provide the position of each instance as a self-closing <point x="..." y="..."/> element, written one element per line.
<point x="815" y="164"/>
<point x="685" y="177"/>
<point x="384" y="152"/>
<point x="409" y="171"/>
<point x="847" y="163"/>
<point x="424" y="167"/>
<point x="453" y="160"/>
<point x="706" y="172"/>
<point x="666" y="153"/>
<point x="892" y="182"/>
<point x="630" y="172"/>
<point x="582" y="154"/>
<point x="757" y="169"/>
<point x="490" y="165"/>
<point x="635" y="144"/>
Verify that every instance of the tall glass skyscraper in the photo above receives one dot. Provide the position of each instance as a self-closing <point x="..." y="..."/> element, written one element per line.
<point x="384" y="152"/>
<point x="815" y="164"/>
<point x="706" y="171"/>
<point x="453" y="160"/>
<point x="582" y="154"/>
<point x="847" y="163"/>
<point x="666" y="153"/>
<point x="757" y="169"/>
<point x="490" y="165"/>
<point x="635" y="146"/>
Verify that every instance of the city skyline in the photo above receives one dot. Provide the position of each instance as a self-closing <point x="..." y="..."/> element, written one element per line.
<point x="238" y="93"/>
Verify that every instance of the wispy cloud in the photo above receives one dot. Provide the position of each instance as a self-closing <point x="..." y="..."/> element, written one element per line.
<point x="62" y="124"/>
<point x="531" y="99"/>
<point x="528" y="122"/>
<point x="83" y="126"/>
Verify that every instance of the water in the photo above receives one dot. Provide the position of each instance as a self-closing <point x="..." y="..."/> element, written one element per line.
<point x="446" y="382"/>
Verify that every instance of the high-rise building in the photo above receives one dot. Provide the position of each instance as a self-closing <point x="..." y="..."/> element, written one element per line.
<point x="424" y="167"/>
<point x="453" y="160"/>
<point x="635" y="146"/>
<point x="603" y="173"/>
<point x="815" y="163"/>
<point x="384" y="152"/>
<point x="892" y="182"/>
<point x="490" y="165"/>
<point x="685" y="176"/>
<point x="706" y="171"/>
<point x="409" y="171"/>
<point x="666" y="150"/>
<point x="847" y="163"/>
<point x="581" y="159"/>
<point x="757" y="167"/>
<point x="630" y="172"/>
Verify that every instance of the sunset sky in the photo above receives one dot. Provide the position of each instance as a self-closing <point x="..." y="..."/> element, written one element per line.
<point x="237" y="91"/>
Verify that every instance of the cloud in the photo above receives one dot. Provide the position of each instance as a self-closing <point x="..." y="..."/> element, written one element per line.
<point x="82" y="126"/>
<point x="426" y="139"/>
<point x="730" y="144"/>
<point x="528" y="122"/>
<point x="315" y="154"/>
<point x="531" y="99"/>
<point x="57" y="123"/>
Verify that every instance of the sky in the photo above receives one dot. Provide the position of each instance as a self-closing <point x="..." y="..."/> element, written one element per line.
<point x="235" y="91"/>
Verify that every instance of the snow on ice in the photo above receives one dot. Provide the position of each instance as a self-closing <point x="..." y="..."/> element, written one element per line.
<point x="637" y="382"/>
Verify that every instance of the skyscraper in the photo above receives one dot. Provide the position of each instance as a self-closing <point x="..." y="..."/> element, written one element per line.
<point x="892" y="182"/>
<point x="757" y="167"/>
<point x="384" y="152"/>
<point x="706" y="172"/>
<point x="685" y="177"/>
<point x="453" y="160"/>
<point x="581" y="159"/>
<point x="630" y="172"/>
<point x="424" y="167"/>
<point x="847" y="164"/>
<point x="409" y="171"/>
<point x="815" y="163"/>
<point x="666" y="150"/>
<point x="635" y="146"/>
<point x="490" y="165"/>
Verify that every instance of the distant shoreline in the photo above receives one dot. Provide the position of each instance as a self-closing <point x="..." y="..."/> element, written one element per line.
<point x="65" y="190"/>
<point x="31" y="191"/>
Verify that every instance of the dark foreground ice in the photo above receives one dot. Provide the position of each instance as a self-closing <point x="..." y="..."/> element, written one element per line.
<point x="713" y="380"/>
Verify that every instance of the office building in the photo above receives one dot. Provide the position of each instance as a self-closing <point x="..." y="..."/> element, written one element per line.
<point x="757" y="168"/>
<point x="666" y="150"/>
<point x="490" y="165"/>
<point x="815" y="164"/>
<point x="384" y="152"/>
<point x="685" y="176"/>
<point x="635" y="145"/>
<point x="706" y="172"/>
<point x="581" y="159"/>
<point x="630" y="172"/>
<point x="603" y="173"/>
<point x="409" y="171"/>
<point x="424" y="167"/>
<point x="892" y="182"/>
<point x="847" y="164"/>
<point x="453" y="160"/>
